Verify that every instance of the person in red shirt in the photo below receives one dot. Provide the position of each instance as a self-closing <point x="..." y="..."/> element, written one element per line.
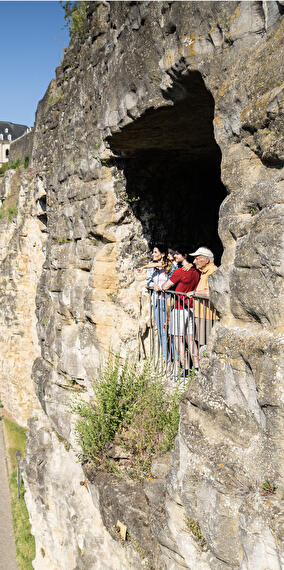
<point x="185" y="279"/>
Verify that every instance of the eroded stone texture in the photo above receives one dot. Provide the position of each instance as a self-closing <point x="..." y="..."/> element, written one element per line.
<point x="67" y="512"/>
<point x="21" y="259"/>
<point x="123" y="133"/>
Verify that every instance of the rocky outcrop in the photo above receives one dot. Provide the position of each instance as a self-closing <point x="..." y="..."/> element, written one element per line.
<point x="149" y="103"/>
<point x="21" y="257"/>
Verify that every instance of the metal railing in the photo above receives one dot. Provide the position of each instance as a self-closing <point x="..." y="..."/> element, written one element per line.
<point x="178" y="331"/>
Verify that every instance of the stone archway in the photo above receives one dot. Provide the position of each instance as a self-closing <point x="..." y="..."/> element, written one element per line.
<point x="171" y="164"/>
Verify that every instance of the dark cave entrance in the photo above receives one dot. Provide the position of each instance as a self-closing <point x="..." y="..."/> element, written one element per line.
<point x="171" y="164"/>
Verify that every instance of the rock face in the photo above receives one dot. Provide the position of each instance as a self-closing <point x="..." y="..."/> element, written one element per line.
<point x="151" y="103"/>
<point x="21" y="257"/>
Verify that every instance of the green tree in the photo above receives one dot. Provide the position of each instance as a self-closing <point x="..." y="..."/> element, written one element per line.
<point x="75" y="17"/>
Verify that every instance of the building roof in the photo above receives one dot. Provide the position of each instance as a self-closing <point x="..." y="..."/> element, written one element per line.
<point x="14" y="130"/>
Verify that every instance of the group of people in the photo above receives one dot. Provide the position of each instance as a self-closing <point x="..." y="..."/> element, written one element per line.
<point x="173" y="270"/>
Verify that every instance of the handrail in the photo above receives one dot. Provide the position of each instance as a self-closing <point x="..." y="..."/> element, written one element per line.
<point x="197" y="295"/>
<point x="178" y="331"/>
<point x="193" y="293"/>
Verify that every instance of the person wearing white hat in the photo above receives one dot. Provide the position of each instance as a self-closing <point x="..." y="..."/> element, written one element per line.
<point x="204" y="252"/>
<point x="203" y="314"/>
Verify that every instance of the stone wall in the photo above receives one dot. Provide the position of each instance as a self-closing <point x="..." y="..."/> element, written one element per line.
<point x="139" y="73"/>
<point x="21" y="147"/>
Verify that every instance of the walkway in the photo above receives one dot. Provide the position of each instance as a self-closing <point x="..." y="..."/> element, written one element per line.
<point x="7" y="542"/>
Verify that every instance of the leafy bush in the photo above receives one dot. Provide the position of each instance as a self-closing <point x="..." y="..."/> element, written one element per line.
<point x="75" y="17"/>
<point x="131" y="409"/>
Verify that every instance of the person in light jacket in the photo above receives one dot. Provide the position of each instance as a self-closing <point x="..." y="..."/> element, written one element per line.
<point x="156" y="277"/>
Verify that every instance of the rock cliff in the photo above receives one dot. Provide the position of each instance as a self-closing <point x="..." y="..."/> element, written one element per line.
<point x="22" y="237"/>
<point x="164" y="121"/>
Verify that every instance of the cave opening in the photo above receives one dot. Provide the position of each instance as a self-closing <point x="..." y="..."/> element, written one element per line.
<point x="171" y="164"/>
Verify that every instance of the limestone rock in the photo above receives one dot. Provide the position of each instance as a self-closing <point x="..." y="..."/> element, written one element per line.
<point x="21" y="259"/>
<point x="158" y="105"/>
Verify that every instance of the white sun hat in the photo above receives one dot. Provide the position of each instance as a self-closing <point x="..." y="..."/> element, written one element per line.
<point x="203" y="251"/>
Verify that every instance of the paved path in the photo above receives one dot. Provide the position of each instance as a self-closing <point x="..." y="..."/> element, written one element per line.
<point x="7" y="542"/>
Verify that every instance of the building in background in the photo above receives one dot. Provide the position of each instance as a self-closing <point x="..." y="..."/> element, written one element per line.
<point x="9" y="132"/>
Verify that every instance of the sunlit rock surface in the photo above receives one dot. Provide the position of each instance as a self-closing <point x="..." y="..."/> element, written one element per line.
<point x="127" y="153"/>
<point x="21" y="259"/>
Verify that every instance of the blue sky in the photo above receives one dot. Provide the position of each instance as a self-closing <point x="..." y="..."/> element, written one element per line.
<point x="33" y="39"/>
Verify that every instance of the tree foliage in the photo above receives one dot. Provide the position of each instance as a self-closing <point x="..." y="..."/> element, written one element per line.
<point x="75" y="17"/>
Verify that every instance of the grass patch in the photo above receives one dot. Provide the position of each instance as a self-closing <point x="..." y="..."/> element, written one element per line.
<point x="8" y="208"/>
<point x="131" y="410"/>
<point x="10" y="166"/>
<point x="268" y="488"/>
<point x="16" y="439"/>
<point x="25" y="545"/>
<point x="10" y="212"/>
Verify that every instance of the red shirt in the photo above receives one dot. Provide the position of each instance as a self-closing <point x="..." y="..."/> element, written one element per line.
<point x="185" y="282"/>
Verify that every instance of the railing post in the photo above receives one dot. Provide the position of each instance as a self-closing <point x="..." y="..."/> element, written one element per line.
<point x="171" y="341"/>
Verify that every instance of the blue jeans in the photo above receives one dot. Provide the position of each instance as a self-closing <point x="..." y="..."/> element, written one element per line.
<point x="161" y="319"/>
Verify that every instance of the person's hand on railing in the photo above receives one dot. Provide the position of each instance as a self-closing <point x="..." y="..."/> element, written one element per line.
<point x="190" y="294"/>
<point x="156" y="288"/>
<point x="202" y="294"/>
<point x="198" y="294"/>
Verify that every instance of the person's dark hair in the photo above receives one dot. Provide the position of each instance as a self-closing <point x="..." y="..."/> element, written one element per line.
<point x="161" y="247"/>
<point x="183" y="252"/>
<point x="172" y="251"/>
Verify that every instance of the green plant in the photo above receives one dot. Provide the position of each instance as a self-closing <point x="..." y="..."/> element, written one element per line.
<point x="134" y="199"/>
<point x="194" y="528"/>
<point x="12" y="212"/>
<point x="9" y="208"/>
<point x="75" y="17"/>
<point x="55" y="94"/>
<point x="16" y="439"/>
<point x="10" y="166"/>
<point x="131" y="409"/>
<point x="25" y="546"/>
<point x="268" y="488"/>
<point x="26" y="161"/>
<point x="62" y="439"/>
<point x="63" y="240"/>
